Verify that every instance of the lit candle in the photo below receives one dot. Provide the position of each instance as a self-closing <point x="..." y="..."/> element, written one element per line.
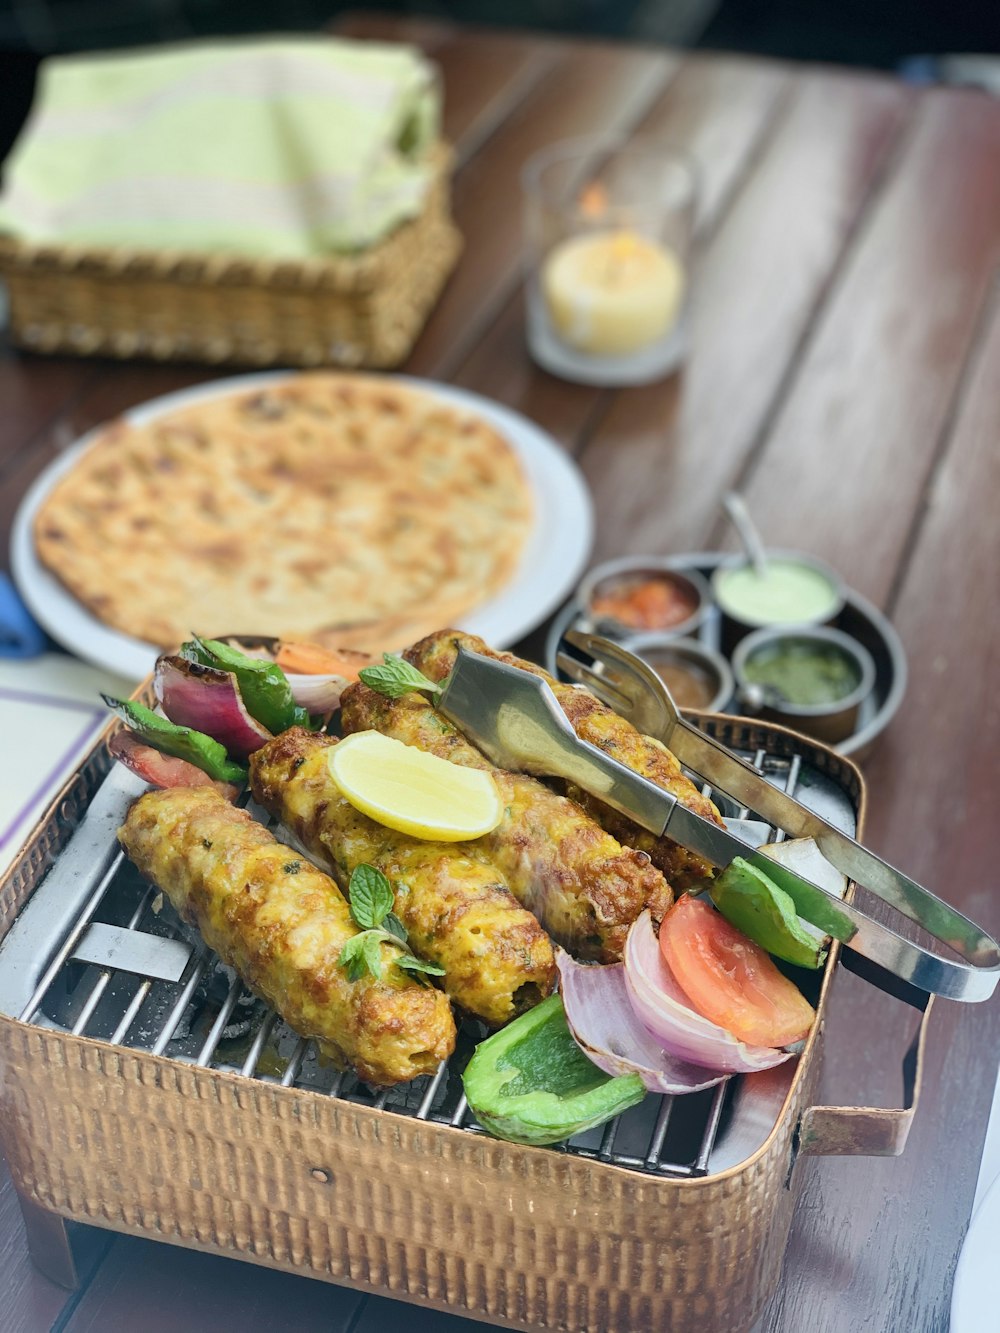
<point x="609" y="293"/>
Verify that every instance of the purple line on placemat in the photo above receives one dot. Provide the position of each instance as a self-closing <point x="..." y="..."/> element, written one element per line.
<point x="53" y="700"/>
<point x="97" y="720"/>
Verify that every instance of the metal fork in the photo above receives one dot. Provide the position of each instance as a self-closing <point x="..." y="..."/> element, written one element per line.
<point x="633" y="689"/>
<point x="621" y="680"/>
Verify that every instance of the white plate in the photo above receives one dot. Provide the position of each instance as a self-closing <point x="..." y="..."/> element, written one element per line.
<point x="975" y="1301"/>
<point x="554" y="554"/>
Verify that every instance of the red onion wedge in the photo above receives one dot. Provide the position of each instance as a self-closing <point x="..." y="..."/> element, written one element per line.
<point x="208" y="700"/>
<point x="665" y="1012"/>
<point x="605" y="1027"/>
<point x="317" y="694"/>
<point x="163" y="770"/>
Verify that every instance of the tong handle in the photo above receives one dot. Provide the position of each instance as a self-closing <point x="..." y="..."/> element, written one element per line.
<point x="979" y="951"/>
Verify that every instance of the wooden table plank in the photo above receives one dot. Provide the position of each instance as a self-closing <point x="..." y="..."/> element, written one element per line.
<point x="660" y="459"/>
<point x="485" y="82"/>
<point x="719" y="110"/>
<point x="874" y="1243"/>
<point x="33" y="392"/>
<point x="884" y="362"/>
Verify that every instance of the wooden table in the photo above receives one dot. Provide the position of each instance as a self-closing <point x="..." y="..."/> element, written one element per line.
<point x="843" y="374"/>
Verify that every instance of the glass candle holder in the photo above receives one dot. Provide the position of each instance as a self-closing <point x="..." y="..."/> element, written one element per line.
<point x="608" y="229"/>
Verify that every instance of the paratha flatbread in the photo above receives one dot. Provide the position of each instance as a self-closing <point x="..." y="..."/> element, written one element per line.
<point x="346" y="509"/>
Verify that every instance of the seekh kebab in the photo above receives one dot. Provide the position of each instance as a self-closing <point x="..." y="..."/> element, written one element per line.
<point x="282" y="924"/>
<point x="595" y="722"/>
<point x="584" y="887"/>
<point x="455" y="905"/>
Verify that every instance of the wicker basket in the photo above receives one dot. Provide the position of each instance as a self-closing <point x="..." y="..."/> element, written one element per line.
<point x="524" y="1237"/>
<point x="360" y="310"/>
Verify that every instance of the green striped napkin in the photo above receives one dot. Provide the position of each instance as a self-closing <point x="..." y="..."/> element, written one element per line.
<point x="284" y="148"/>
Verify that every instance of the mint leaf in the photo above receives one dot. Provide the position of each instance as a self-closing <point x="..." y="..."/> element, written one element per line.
<point x="362" y="955"/>
<point x="352" y="958"/>
<point x="371" y="896"/>
<point x="395" y="677"/>
<point x="371" y="952"/>
<point x="419" y="966"/>
<point x="395" y="927"/>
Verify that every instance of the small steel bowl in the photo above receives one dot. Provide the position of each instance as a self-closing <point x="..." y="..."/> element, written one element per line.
<point x="735" y="625"/>
<point x="658" y="649"/>
<point x="829" y="722"/>
<point x="634" y="567"/>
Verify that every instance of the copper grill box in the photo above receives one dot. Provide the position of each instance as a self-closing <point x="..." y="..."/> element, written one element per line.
<point x="190" y="1114"/>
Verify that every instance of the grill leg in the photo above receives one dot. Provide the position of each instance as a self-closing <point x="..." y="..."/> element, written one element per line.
<point x="49" y="1243"/>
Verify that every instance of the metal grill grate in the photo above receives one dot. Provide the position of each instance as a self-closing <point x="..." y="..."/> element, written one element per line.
<point x="187" y="1005"/>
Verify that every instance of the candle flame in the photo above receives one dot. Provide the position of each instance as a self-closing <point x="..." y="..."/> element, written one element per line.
<point x="593" y="201"/>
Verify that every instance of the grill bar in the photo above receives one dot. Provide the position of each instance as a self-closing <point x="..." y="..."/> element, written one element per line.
<point x="295" y="1063"/>
<point x="183" y="1000"/>
<point x="711" y="1127"/>
<point x="208" y="1018"/>
<point x="659" y="1133"/>
<point x="259" y="1042"/>
<point x="219" y="1026"/>
<point x="423" y="1110"/>
<point x="131" y="1013"/>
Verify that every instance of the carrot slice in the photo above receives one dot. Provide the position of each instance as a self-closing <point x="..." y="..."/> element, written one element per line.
<point x="302" y="658"/>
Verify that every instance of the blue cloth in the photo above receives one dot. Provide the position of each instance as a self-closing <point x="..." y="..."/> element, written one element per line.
<point x="20" y="636"/>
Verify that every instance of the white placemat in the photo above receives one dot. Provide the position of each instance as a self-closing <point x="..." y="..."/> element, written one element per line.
<point x="50" y="712"/>
<point x="989" y="1168"/>
<point x="975" y="1302"/>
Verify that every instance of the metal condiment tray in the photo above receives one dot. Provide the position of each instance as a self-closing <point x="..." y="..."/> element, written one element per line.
<point x="858" y="618"/>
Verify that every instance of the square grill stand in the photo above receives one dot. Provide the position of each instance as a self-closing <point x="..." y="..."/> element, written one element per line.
<point x="99" y="953"/>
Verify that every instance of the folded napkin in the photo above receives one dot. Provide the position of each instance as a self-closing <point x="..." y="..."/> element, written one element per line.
<point x="19" y="635"/>
<point x="288" y="149"/>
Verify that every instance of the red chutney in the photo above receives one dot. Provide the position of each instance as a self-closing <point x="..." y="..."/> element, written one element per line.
<point x="651" y="601"/>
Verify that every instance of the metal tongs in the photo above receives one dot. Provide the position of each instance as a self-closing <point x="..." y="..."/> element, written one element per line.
<point x="514" y="717"/>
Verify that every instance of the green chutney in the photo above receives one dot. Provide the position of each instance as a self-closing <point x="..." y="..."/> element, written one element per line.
<point x="804" y="673"/>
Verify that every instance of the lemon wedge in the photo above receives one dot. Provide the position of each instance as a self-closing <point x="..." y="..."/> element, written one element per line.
<point x="413" y="792"/>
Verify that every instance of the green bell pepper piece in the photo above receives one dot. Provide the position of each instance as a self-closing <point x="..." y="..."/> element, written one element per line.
<point x="183" y="743"/>
<point x="531" y="1083"/>
<point x="766" y="913"/>
<point x="263" y="685"/>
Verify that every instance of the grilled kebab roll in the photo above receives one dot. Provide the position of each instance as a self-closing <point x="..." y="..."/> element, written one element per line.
<point x="282" y="924"/>
<point x="584" y="887"/>
<point x="601" y="726"/>
<point x="457" y="908"/>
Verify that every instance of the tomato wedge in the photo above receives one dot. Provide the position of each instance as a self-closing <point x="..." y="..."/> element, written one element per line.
<point x="729" y="979"/>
